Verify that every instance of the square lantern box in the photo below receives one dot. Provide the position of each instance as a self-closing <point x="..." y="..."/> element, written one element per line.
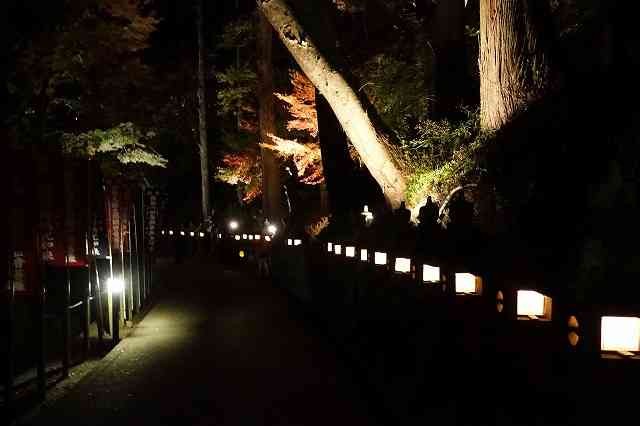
<point x="402" y="265"/>
<point x="364" y="255"/>
<point x="379" y="258"/>
<point x="330" y="247"/>
<point x="244" y="236"/>
<point x="531" y="305"/>
<point x="289" y="242"/>
<point x="350" y="251"/>
<point x="468" y="284"/>
<point x="337" y="249"/>
<point x="620" y="335"/>
<point x="237" y="237"/>
<point x="297" y="242"/>
<point x="257" y="237"/>
<point x="431" y="274"/>
<point x="251" y="237"/>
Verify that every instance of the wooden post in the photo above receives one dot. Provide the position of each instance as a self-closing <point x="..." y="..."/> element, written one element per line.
<point x="134" y="249"/>
<point x="66" y="321"/>
<point x="10" y="300"/>
<point x="98" y="298"/>
<point x="42" y="348"/>
<point x="116" y="318"/>
<point x="86" y="312"/>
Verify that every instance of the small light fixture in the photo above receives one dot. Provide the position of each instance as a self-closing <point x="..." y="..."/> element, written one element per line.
<point x="297" y="242"/>
<point x="244" y="236"/>
<point x="337" y="249"/>
<point x="251" y="237"/>
<point x="233" y="225"/>
<point x="202" y="235"/>
<point x="430" y="274"/>
<point x="257" y="237"/>
<point x="241" y="254"/>
<point x="620" y="334"/>
<point x="289" y="242"/>
<point x="170" y="232"/>
<point x="272" y="229"/>
<point x="533" y="305"/>
<point x="402" y="265"/>
<point x="350" y="251"/>
<point x="467" y="283"/>
<point x="330" y="247"/>
<point x="193" y="234"/>
<point x="368" y="216"/>
<point x="237" y="237"/>
<point x="182" y="233"/>
<point x="115" y="285"/>
<point x="364" y="255"/>
<point x="219" y="236"/>
<point x="162" y="232"/>
<point x="380" y="258"/>
<point x="267" y="238"/>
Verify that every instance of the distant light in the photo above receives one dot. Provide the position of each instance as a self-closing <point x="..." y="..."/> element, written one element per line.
<point x="430" y="274"/>
<point x="380" y="258"/>
<point x="337" y="249"/>
<point x="350" y="251"/>
<point x="182" y="233"/>
<point x="330" y="247"/>
<point x="297" y="242"/>
<point x="170" y="232"/>
<point x="241" y="254"/>
<point x="368" y="216"/>
<point x="403" y="264"/>
<point x="272" y="229"/>
<point x="202" y="235"/>
<point x="257" y="237"/>
<point x="289" y="242"/>
<point x="244" y="236"/>
<point x="364" y="255"/>
<point x="467" y="283"/>
<point x="115" y="285"/>
<point x="219" y="235"/>
<point x="237" y="237"/>
<point x="193" y="234"/>
<point x="530" y="303"/>
<point x="162" y="232"/>
<point x="233" y="225"/>
<point x="620" y="334"/>
<point x="251" y="237"/>
<point x="267" y="238"/>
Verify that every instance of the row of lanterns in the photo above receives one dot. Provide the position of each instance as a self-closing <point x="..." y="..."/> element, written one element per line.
<point x="618" y="334"/>
<point x="192" y="234"/>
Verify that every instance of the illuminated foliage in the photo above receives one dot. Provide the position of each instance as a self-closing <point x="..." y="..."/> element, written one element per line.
<point x="125" y="142"/>
<point x="306" y="157"/>
<point x="243" y="170"/>
<point x="301" y="105"/>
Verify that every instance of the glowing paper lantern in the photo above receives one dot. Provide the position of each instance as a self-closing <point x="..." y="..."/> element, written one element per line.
<point x="468" y="283"/>
<point x="251" y="237"/>
<point x="182" y="233"/>
<point x="237" y="237"/>
<point x="620" y="334"/>
<point x="192" y="234"/>
<point x="244" y="236"/>
<point x="257" y="237"/>
<point x="380" y="258"/>
<point x="241" y="254"/>
<point x="330" y="247"/>
<point x="430" y="274"/>
<point x="289" y="242"/>
<point x="337" y="249"/>
<point x="233" y="225"/>
<point x="202" y="235"/>
<point x="364" y="255"/>
<point x="170" y="232"/>
<point x="162" y="232"/>
<point x="297" y="242"/>
<point x="267" y="238"/>
<point x="532" y="304"/>
<point x="350" y="251"/>
<point x="403" y="264"/>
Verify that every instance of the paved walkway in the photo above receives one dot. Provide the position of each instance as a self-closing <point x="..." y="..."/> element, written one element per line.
<point x="218" y="348"/>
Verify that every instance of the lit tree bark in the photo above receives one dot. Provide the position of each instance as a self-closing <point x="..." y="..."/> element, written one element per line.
<point x="371" y="143"/>
<point x="202" y="117"/>
<point x="271" y="191"/>
<point x="514" y="60"/>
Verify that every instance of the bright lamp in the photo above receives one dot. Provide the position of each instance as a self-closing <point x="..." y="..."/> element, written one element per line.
<point x="620" y="334"/>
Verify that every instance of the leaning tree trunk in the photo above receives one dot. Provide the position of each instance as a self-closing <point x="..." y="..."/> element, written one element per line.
<point x="271" y="188"/>
<point x="371" y="144"/>
<point x="514" y="61"/>
<point x="202" y="117"/>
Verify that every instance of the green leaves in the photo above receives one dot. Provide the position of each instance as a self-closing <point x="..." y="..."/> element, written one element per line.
<point x="125" y="142"/>
<point x="237" y="89"/>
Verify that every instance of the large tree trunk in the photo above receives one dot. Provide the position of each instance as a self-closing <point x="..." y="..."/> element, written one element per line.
<point x="514" y="60"/>
<point x="271" y="186"/>
<point x="371" y="143"/>
<point x="202" y="117"/>
<point x="336" y="162"/>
